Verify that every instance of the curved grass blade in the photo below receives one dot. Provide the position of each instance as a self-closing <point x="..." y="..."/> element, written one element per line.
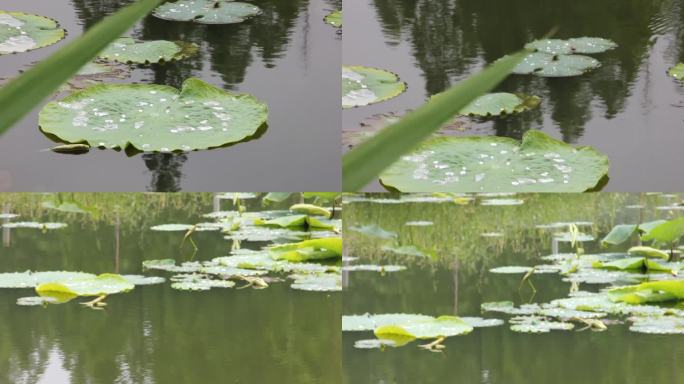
<point x="365" y="162"/>
<point x="22" y="94"/>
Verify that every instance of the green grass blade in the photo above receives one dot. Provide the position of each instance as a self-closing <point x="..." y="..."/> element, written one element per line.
<point x="22" y="94"/>
<point x="365" y="162"/>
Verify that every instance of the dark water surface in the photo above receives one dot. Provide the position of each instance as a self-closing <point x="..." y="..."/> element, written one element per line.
<point x="629" y="108"/>
<point x="287" y="57"/>
<point x="459" y="282"/>
<point x="155" y="334"/>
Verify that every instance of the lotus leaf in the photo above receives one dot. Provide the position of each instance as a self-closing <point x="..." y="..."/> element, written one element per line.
<point x="374" y="268"/>
<point x="373" y="230"/>
<point x="21" y="32"/>
<point x="231" y="271"/>
<point x="374" y="344"/>
<point x="407" y="250"/>
<point x="664" y="325"/>
<point x="127" y="50"/>
<point x="314" y="249"/>
<point x="649" y="252"/>
<point x="619" y="234"/>
<point x="478" y="322"/>
<point x="324" y="282"/>
<point x="198" y="283"/>
<point x="368" y="322"/>
<point x="34" y="225"/>
<point x="161" y="264"/>
<point x="651" y="291"/>
<point x="474" y="164"/>
<point x="207" y="11"/>
<point x="251" y="261"/>
<point x="511" y="269"/>
<point x="549" y="65"/>
<point x="8" y="216"/>
<point x="364" y="85"/>
<point x="564" y="313"/>
<point x="561" y="225"/>
<point x="36" y="300"/>
<point x="632" y="263"/>
<point x="104" y="284"/>
<point x="576" y="45"/>
<point x="419" y="223"/>
<point x="310" y="209"/>
<point x="495" y="104"/>
<point x="677" y="72"/>
<point x="509" y="308"/>
<point x="536" y="324"/>
<point x="293" y="221"/>
<point x="143" y="280"/>
<point x="152" y="117"/>
<point x="502" y="202"/>
<point x="667" y="232"/>
<point x="264" y="234"/>
<point x="334" y="18"/>
<point x="443" y="326"/>
<point x="30" y="279"/>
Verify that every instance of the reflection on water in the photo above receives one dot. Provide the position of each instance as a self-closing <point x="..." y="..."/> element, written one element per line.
<point x="459" y="281"/>
<point x="433" y="44"/>
<point x="155" y="334"/>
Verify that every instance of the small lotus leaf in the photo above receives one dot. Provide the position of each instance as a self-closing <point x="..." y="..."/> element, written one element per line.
<point x="104" y="284"/>
<point x="664" y="325"/>
<point x="502" y="202"/>
<point x="474" y="164"/>
<point x="549" y="65"/>
<point x="649" y="252"/>
<point x="564" y="313"/>
<point x="561" y="225"/>
<point x="310" y="209"/>
<point x="509" y="308"/>
<point x="21" y="32"/>
<point x="373" y="230"/>
<point x="374" y="344"/>
<point x="511" y="269"/>
<point x="677" y="71"/>
<point x="231" y="271"/>
<point x="479" y="322"/>
<point x="8" y="216"/>
<point x="374" y="268"/>
<point x="30" y="279"/>
<point x="368" y="322"/>
<point x="152" y="117"/>
<point x="127" y="50"/>
<point x="502" y="103"/>
<point x="143" y="280"/>
<point x="536" y="324"/>
<point x="207" y="11"/>
<point x="324" y="282"/>
<point x="576" y="45"/>
<point x="36" y="300"/>
<point x="365" y="85"/>
<point x="34" y="225"/>
<point x="419" y="223"/>
<point x="334" y="18"/>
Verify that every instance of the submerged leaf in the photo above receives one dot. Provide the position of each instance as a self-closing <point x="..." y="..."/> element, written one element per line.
<point x="152" y="117"/>
<point x="21" y="32"/>
<point x="474" y="164"/>
<point x="127" y="50"/>
<point x="207" y="11"/>
<point x="365" y="85"/>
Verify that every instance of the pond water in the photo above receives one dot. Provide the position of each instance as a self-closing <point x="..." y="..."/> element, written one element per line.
<point x="287" y="57"/>
<point x="156" y="334"/>
<point x="629" y="108"/>
<point x="458" y="281"/>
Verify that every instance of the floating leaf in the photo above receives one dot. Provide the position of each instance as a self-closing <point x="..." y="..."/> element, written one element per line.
<point x="104" y="284"/>
<point x="443" y="326"/>
<point x="207" y="11"/>
<point x="649" y="252"/>
<point x="561" y="225"/>
<point x="564" y="313"/>
<point x="21" y="32"/>
<point x="8" y="216"/>
<point x="364" y="85"/>
<point x="228" y="272"/>
<point x="127" y="50"/>
<point x="324" y="282"/>
<point x="36" y="300"/>
<point x="511" y="269"/>
<point x="152" y="117"/>
<point x="587" y="45"/>
<point x="419" y="223"/>
<point x="294" y="221"/>
<point x="314" y="249"/>
<point x="30" y="279"/>
<point x="199" y="283"/>
<point x="34" y="225"/>
<point x="478" y="322"/>
<point x="172" y="227"/>
<point x="474" y="164"/>
<point x="648" y="292"/>
<point x="549" y="65"/>
<point x="502" y="103"/>
<point x="509" y="308"/>
<point x="143" y="280"/>
<point x="677" y="71"/>
<point x="334" y="18"/>
<point x="374" y="344"/>
<point x="374" y="268"/>
<point x="161" y="264"/>
<point x="368" y="322"/>
<point x="665" y="325"/>
<point x="310" y="209"/>
<point x="264" y="234"/>
<point x="632" y="263"/>
<point x="537" y="324"/>
<point x="373" y="230"/>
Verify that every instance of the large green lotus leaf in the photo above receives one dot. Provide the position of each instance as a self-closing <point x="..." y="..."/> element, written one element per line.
<point x="34" y="225"/>
<point x="323" y="282"/>
<point x="576" y="45"/>
<point x="264" y="234"/>
<point x="104" y="284"/>
<point x="667" y="232"/>
<point x="677" y="72"/>
<point x="619" y="234"/>
<point x="30" y="279"/>
<point x="368" y="322"/>
<point x="502" y="103"/>
<point x="373" y="230"/>
<point x="443" y="326"/>
<point x="537" y="324"/>
<point x="314" y="249"/>
<point x="491" y="163"/>
<point x="294" y="221"/>
<point x="649" y="252"/>
<point x="127" y="50"/>
<point x="21" y="32"/>
<point x="153" y="117"/>
<point x="662" y="325"/>
<point x="334" y="18"/>
<point x="365" y="85"/>
<point x="632" y="263"/>
<point x="648" y="292"/>
<point x="548" y="65"/>
<point x="207" y="11"/>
